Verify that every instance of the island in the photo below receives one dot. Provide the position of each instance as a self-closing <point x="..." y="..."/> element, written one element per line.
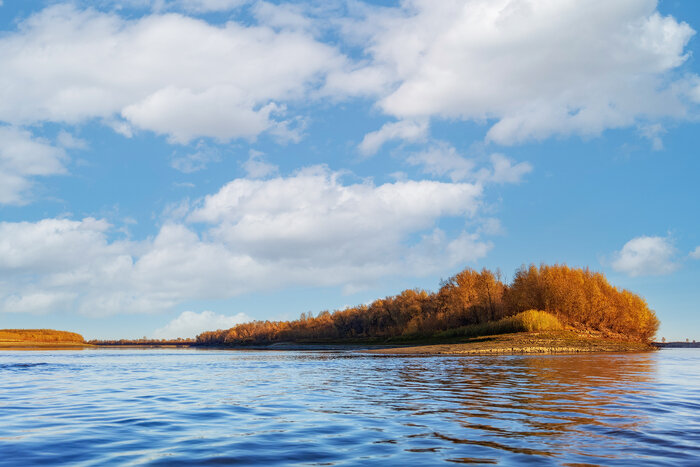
<point x="40" y="338"/>
<point x="544" y="309"/>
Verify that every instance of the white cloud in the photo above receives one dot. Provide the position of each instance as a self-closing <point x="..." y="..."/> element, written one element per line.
<point x="653" y="133"/>
<point x="38" y="302"/>
<point x="695" y="254"/>
<point x="405" y="130"/>
<point x="535" y="68"/>
<point x="202" y="6"/>
<point x="646" y="256"/>
<point x="189" y="6"/>
<point x="282" y="16"/>
<point x="189" y="324"/>
<point x="53" y="245"/>
<point x="23" y="157"/>
<point x="305" y="229"/>
<point x="694" y="92"/>
<point x="68" y="141"/>
<point x="197" y="160"/>
<point x="168" y="73"/>
<point x="505" y="172"/>
<point x="443" y="160"/>
<point x="312" y="217"/>
<point x="529" y="69"/>
<point x="256" y="167"/>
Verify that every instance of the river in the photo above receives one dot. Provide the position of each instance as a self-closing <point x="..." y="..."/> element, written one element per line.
<point x="217" y="407"/>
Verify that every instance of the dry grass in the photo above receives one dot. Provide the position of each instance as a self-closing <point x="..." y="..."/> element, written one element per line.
<point x="527" y="321"/>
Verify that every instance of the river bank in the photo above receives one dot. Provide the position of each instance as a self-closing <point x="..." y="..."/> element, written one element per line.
<point x="561" y="342"/>
<point x="28" y="345"/>
<point x="550" y="342"/>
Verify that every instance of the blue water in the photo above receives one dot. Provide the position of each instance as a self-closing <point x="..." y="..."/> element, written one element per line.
<point x="197" y="407"/>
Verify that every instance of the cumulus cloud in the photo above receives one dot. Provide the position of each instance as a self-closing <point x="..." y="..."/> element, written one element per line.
<point x="646" y="256"/>
<point x="37" y="302"/>
<point x="535" y="69"/>
<point x="313" y="217"/>
<point x="53" y="245"/>
<point x="189" y="324"/>
<point x="529" y="69"/>
<point x="405" y="130"/>
<point x="168" y="73"/>
<point x="23" y="157"/>
<point x="309" y="228"/>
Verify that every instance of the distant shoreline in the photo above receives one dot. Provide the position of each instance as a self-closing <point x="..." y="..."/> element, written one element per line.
<point x="530" y="343"/>
<point x="551" y="342"/>
<point x="677" y="345"/>
<point x="28" y="345"/>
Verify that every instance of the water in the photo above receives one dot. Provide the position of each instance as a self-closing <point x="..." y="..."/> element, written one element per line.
<point x="194" y="407"/>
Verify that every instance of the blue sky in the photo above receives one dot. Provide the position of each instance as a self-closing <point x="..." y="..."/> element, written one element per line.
<point x="174" y="166"/>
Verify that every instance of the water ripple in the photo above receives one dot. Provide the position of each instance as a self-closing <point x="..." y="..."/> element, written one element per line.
<point x="195" y="407"/>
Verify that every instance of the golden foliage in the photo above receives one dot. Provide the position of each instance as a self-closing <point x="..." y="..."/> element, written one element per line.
<point x="473" y="301"/>
<point x="582" y="299"/>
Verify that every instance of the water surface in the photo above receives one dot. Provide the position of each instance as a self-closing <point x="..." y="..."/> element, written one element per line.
<point x="208" y="407"/>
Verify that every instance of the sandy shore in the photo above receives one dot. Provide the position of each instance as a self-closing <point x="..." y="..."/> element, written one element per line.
<point x="25" y="345"/>
<point x="521" y="343"/>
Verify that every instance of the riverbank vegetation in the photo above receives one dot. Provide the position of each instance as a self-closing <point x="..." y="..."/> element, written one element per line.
<point x="48" y="336"/>
<point x="144" y="342"/>
<point x="538" y="342"/>
<point x="526" y="321"/>
<point x="468" y="304"/>
<point x="39" y="338"/>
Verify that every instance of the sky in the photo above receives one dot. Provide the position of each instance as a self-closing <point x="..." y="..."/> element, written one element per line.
<point x="174" y="166"/>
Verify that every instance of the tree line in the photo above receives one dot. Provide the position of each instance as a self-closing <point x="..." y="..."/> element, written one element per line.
<point x="142" y="341"/>
<point x="579" y="298"/>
